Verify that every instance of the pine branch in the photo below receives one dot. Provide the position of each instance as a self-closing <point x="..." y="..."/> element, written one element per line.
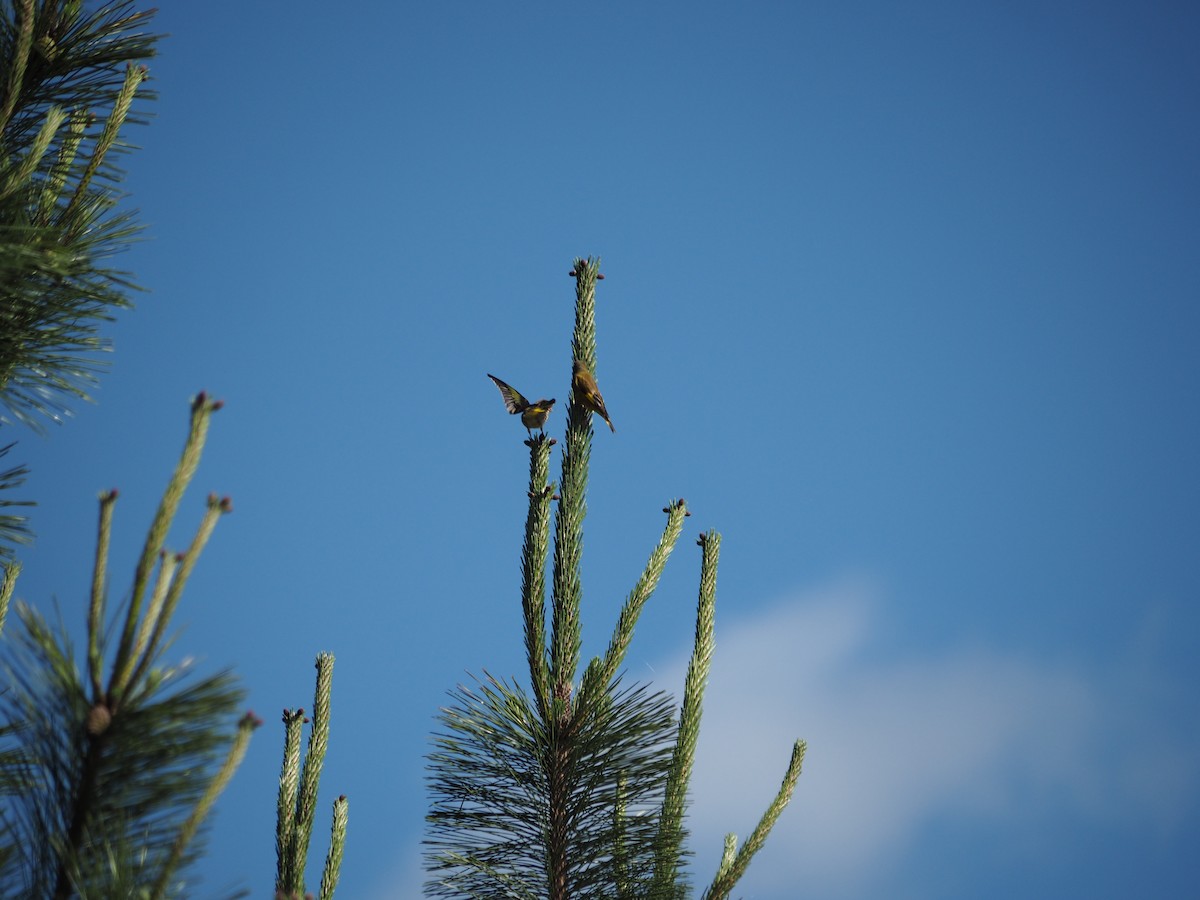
<point x="174" y="571"/>
<point x="99" y="595"/>
<point x="237" y="751"/>
<point x="56" y="179"/>
<point x="298" y="795"/>
<point x="730" y="872"/>
<point x="77" y="60"/>
<point x="572" y="509"/>
<point x="337" y="848"/>
<point x="314" y="762"/>
<point x="669" y="841"/>
<point x="134" y="75"/>
<point x="123" y="666"/>
<point x="285" y="816"/>
<point x="18" y="176"/>
<point x="58" y="218"/>
<point x="623" y="633"/>
<point x="586" y="273"/>
<point x="728" y="855"/>
<point x="533" y="569"/>
<point x="18" y="60"/>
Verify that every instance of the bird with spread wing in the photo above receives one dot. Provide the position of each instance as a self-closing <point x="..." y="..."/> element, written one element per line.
<point x="533" y="415"/>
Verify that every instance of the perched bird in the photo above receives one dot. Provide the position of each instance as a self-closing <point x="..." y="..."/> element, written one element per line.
<point x="588" y="393"/>
<point x="533" y="415"/>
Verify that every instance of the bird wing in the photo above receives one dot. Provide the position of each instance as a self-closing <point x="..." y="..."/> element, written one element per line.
<point x="513" y="401"/>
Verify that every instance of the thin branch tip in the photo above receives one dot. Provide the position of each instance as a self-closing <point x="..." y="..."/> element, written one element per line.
<point x="201" y="401"/>
<point x="250" y="720"/>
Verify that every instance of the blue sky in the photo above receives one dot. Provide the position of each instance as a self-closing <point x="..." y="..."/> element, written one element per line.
<point x="902" y="298"/>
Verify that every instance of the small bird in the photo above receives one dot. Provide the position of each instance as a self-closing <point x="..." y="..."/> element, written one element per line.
<point x="588" y="393"/>
<point x="533" y="415"/>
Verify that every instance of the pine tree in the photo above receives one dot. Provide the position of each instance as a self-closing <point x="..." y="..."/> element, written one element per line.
<point x="68" y="81"/>
<point x="108" y="770"/>
<point x="576" y="787"/>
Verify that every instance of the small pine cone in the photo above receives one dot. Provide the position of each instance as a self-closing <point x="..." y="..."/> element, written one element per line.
<point x="98" y="719"/>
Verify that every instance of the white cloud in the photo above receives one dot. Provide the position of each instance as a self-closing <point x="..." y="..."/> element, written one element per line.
<point x="897" y="744"/>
